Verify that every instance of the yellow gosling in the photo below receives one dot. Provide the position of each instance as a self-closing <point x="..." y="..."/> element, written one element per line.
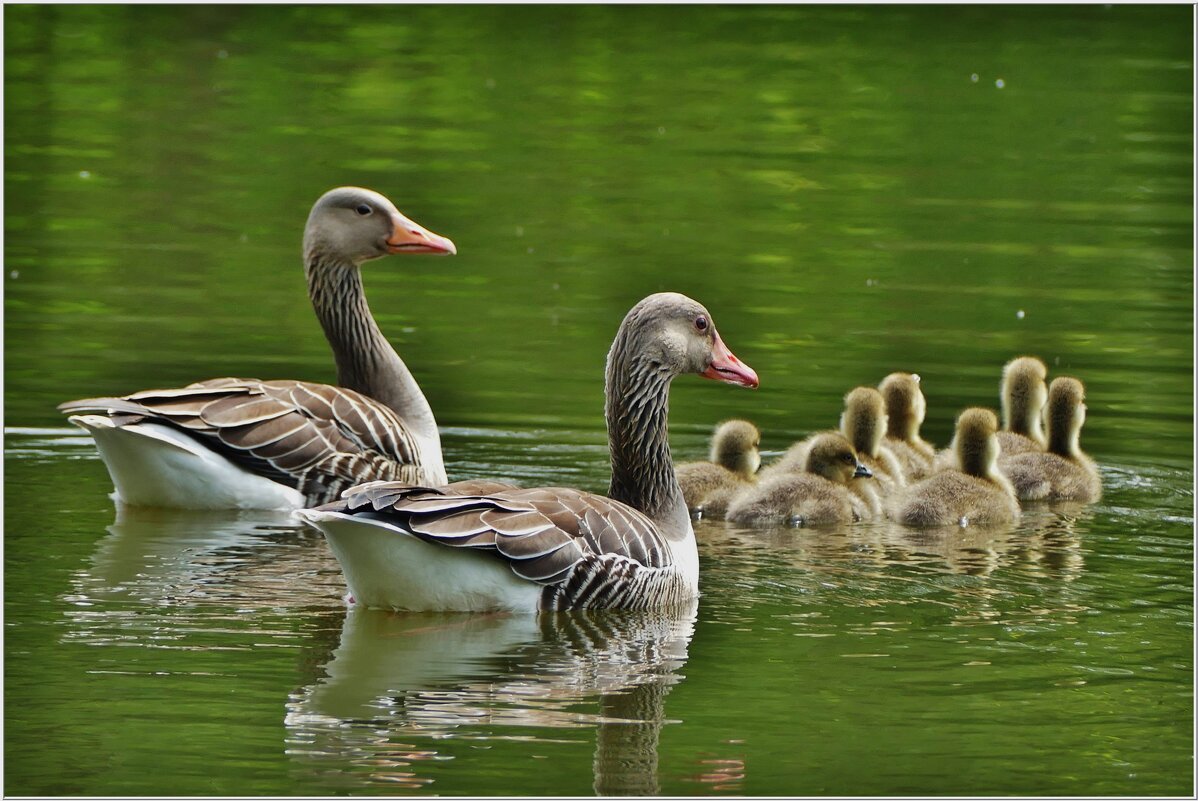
<point x="973" y="491"/>
<point x="1023" y="394"/>
<point x="817" y="496"/>
<point x="734" y="458"/>
<point x="1064" y="472"/>
<point x="905" y="411"/>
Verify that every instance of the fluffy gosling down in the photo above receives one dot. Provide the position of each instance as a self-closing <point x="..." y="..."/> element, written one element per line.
<point x="707" y="487"/>
<point x="973" y="491"/>
<point x="1064" y="472"/>
<point x="1023" y="394"/>
<point x="817" y="496"/>
<point x="906" y="408"/>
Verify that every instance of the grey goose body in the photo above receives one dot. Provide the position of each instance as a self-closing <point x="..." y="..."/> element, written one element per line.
<point x="248" y="443"/>
<point x="420" y="548"/>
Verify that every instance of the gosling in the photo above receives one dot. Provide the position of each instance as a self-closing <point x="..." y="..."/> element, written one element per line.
<point x="972" y="491"/>
<point x="1023" y="395"/>
<point x="735" y="456"/>
<point x="864" y="423"/>
<point x="906" y="408"/>
<point x="817" y="496"/>
<point x="1064" y="472"/>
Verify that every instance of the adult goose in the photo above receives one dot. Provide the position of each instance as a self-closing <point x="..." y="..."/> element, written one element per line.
<point x="243" y="443"/>
<point x="524" y="550"/>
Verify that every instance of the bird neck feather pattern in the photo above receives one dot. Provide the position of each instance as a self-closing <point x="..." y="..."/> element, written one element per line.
<point x="637" y="409"/>
<point x="365" y="360"/>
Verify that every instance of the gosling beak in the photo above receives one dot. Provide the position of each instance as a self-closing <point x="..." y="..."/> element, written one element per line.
<point x="862" y="471"/>
<point x="408" y="237"/>
<point x="726" y="367"/>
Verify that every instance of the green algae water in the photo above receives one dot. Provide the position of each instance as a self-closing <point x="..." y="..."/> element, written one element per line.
<point x="849" y="190"/>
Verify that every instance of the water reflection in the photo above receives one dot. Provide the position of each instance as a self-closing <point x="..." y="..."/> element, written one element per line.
<point x="1046" y="540"/>
<point x="156" y="566"/>
<point x="400" y="678"/>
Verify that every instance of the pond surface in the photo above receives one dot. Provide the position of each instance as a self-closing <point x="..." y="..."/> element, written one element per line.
<point x="851" y="191"/>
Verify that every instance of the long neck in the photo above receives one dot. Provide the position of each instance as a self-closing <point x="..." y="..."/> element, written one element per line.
<point x="365" y="360"/>
<point x="642" y="468"/>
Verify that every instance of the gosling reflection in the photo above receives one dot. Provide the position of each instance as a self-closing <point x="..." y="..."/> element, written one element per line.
<point x="1044" y="543"/>
<point x="400" y="677"/>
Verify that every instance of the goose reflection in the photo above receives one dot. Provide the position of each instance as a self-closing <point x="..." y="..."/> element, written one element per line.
<point x="160" y="565"/>
<point x="398" y="678"/>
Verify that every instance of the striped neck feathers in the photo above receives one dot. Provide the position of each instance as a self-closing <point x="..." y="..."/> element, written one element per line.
<point x="365" y="360"/>
<point x="637" y="411"/>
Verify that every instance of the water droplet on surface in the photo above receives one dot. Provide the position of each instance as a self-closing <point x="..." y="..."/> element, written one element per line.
<point x="1000" y="83"/>
<point x="84" y="174"/>
<point x="974" y="77"/>
<point x="661" y="131"/>
<point x="1019" y="314"/>
<point x="222" y="53"/>
<point x="15" y="274"/>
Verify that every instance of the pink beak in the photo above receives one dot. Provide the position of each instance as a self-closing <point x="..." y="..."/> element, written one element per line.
<point x="408" y="237"/>
<point x="726" y="367"/>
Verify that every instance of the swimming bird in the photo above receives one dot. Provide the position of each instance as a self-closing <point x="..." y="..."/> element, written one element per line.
<point x="1064" y="472"/>
<point x="550" y="548"/>
<point x="906" y="408"/>
<point x="708" y="486"/>
<point x="251" y="444"/>
<point x="1023" y="394"/>
<point x="817" y="496"/>
<point x="972" y="492"/>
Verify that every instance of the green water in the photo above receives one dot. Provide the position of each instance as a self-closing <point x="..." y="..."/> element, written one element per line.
<point x="830" y="181"/>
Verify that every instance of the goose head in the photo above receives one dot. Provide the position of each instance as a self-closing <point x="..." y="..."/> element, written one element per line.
<point x="906" y="406"/>
<point x="864" y="420"/>
<point x="355" y="225"/>
<point x="735" y="444"/>
<point x="834" y="457"/>
<point x="668" y="334"/>
<point x="1065" y="414"/>
<point x="976" y="442"/>
<point x="1024" y="394"/>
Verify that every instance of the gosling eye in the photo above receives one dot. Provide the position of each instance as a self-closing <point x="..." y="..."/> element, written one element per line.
<point x="364" y="210"/>
<point x="847" y="459"/>
<point x="701" y="323"/>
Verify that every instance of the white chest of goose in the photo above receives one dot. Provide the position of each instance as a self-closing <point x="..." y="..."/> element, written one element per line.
<point x="244" y="443"/>
<point x="416" y="548"/>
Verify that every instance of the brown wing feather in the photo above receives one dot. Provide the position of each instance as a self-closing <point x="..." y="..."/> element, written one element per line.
<point x="542" y="533"/>
<point x="318" y="438"/>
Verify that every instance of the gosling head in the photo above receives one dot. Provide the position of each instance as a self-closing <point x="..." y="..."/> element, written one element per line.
<point x="905" y="404"/>
<point x="1066" y="413"/>
<point x="864" y="420"/>
<point x="354" y="225"/>
<point x="1024" y="394"/>
<point x="833" y="457"/>
<point x="735" y="445"/>
<point x="976" y="442"/>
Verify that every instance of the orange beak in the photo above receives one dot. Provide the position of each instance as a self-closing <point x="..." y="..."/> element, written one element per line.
<point x="726" y="367"/>
<point x="408" y="237"/>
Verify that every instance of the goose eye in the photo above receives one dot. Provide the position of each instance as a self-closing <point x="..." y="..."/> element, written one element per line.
<point x="364" y="210"/>
<point x="700" y="323"/>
